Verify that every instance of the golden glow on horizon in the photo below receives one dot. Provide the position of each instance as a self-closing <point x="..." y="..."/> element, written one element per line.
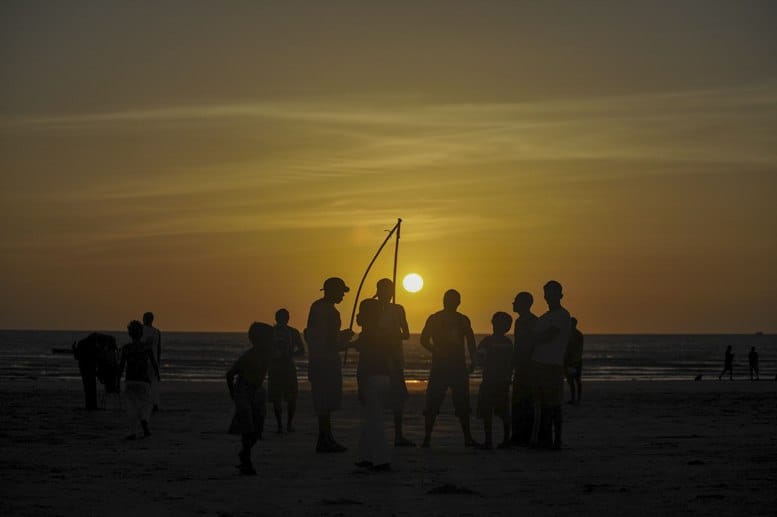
<point x="413" y="283"/>
<point x="229" y="175"/>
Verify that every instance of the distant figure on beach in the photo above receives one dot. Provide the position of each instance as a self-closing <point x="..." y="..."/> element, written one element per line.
<point x="393" y="327"/>
<point x="140" y="365"/>
<point x="377" y="367"/>
<point x="445" y="335"/>
<point x="97" y="359"/>
<point x="523" y="403"/>
<point x="495" y="353"/>
<point x="752" y="359"/>
<point x="282" y="378"/>
<point x="153" y="339"/>
<point x="552" y="336"/>
<point x="325" y="342"/>
<point x="573" y="363"/>
<point x="248" y="392"/>
<point x="728" y="364"/>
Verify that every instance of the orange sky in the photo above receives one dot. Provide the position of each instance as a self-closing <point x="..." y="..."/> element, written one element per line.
<point x="213" y="163"/>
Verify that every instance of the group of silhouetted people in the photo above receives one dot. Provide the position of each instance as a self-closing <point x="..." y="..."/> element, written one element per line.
<point x="138" y="361"/>
<point x="546" y="350"/>
<point x="728" y="364"/>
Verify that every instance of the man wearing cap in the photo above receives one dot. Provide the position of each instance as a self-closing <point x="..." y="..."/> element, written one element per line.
<point x="325" y="341"/>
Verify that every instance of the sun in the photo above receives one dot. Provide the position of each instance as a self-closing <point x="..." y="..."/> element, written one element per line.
<point x="412" y="283"/>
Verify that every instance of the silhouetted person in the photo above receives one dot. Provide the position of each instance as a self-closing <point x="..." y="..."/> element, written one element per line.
<point x="573" y="363"/>
<point x="552" y="336"/>
<point x="138" y="360"/>
<point x="248" y="392"/>
<point x="728" y="364"/>
<point x="85" y="351"/>
<point x="325" y="341"/>
<point x="523" y="403"/>
<point x="495" y="353"/>
<point x="153" y="339"/>
<point x="282" y="379"/>
<point x="445" y="335"/>
<point x="377" y="367"/>
<point x="752" y="359"/>
<point x="393" y="327"/>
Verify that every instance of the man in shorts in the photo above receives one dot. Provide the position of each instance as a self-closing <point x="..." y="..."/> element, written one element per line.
<point x="552" y="336"/>
<point x="282" y="380"/>
<point x="325" y="342"/>
<point x="445" y="335"/>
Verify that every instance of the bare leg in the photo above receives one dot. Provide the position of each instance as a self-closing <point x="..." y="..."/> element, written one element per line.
<point x="468" y="440"/>
<point x="488" y="431"/>
<point x="278" y="415"/>
<point x="292" y="410"/>
<point x="428" y="426"/>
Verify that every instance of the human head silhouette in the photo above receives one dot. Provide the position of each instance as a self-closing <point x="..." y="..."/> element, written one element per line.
<point x="281" y="316"/>
<point x="260" y="334"/>
<point x="385" y="290"/>
<point x="501" y="322"/>
<point x="335" y="289"/>
<point x="553" y="293"/>
<point x="451" y="300"/>
<point x="523" y="302"/>
<point x="135" y="330"/>
<point x="148" y="318"/>
<point x="573" y="322"/>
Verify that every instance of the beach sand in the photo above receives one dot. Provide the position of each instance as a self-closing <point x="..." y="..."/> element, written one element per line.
<point x="634" y="448"/>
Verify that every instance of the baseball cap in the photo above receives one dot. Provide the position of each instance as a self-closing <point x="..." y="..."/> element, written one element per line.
<point x="335" y="283"/>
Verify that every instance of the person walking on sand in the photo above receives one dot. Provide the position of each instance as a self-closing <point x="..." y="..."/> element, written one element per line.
<point x="495" y="353"/>
<point x="393" y="327"/>
<point x="248" y="393"/>
<point x="728" y="364"/>
<point x="282" y="378"/>
<point x="573" y="363"/>
<point x="137" y="359"/>
<point x="325" y="342"/>
<point x="152" y="337"/>
<point x="752" y="359"/>
<point x="552" y="336"/>
<point x="523" y="405"/>
<point x="445" y="335"/>
<point x="377" y="367"/>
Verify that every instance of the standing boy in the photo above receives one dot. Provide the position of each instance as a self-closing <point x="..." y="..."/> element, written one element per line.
<point x="248" y="392"/>
<point x="139" y="362"/>
<point x="495" y="353"/>
<point x="282" y="380"/>
<point x="445" y="335"/>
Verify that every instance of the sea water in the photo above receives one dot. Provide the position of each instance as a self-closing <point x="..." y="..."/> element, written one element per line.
<point x="206" y="356"/>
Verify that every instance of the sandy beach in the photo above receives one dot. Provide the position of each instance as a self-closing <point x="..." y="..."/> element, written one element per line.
<point x="635" y="448"/>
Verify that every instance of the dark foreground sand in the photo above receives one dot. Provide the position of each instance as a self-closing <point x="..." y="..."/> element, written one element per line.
<point x="632" y="448"/>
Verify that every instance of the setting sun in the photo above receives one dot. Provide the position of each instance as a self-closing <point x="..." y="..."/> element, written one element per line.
<point x="413" y="283"/>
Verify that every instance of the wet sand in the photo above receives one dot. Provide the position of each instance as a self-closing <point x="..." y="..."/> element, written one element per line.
<point x="635" y="448"/>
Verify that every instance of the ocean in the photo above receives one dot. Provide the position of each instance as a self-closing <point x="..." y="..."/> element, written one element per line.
<point x="205" y="356"/>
